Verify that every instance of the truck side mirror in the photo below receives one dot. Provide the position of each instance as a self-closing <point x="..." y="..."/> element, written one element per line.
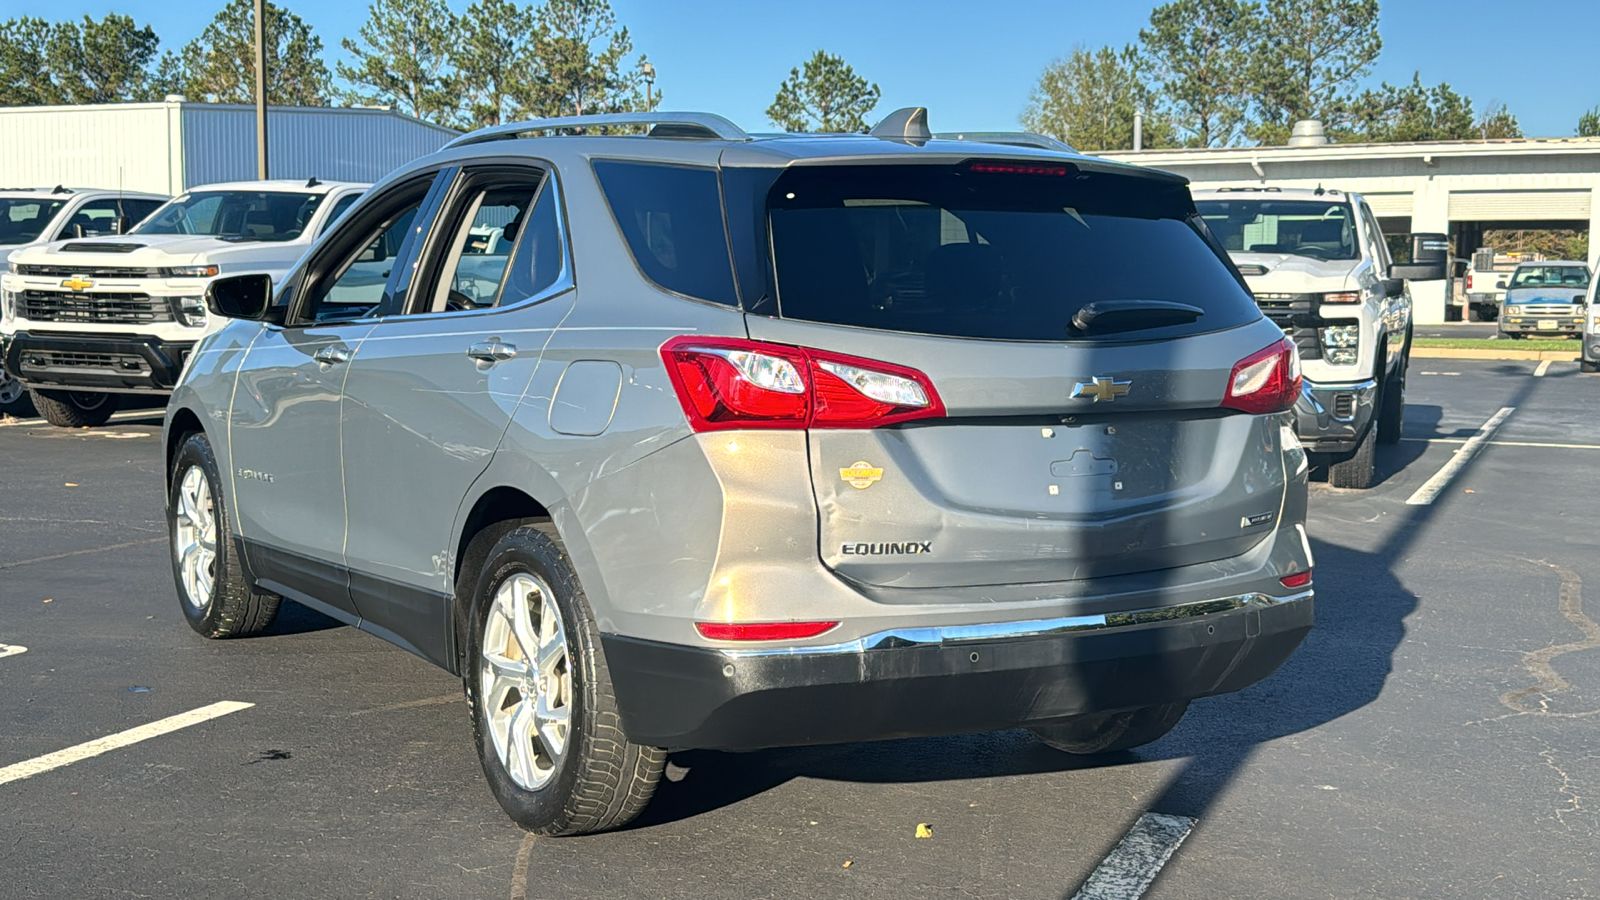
<point x="1394" y="287"/>
<point x="240" y="296"/>
<point x="1499" y="284"/>
<point x="1430" y="259"/>
<point x="122" y="225"/>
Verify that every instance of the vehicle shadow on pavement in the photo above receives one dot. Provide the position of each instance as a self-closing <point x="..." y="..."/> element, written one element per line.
<point x="296" y="619"/>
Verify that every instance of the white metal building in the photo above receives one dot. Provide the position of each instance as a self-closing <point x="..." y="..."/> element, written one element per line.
<point x="1459" y="188"/>
<point x="171" y="146"/>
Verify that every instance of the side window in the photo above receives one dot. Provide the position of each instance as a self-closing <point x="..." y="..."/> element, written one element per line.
<point x="348" y="278"/>
<point x="139" y="210"/>
<point x="1380" y="248"/>
<point x="541" y="255"/>
<point x="342" y="204"/>
<point x="95" y="218"/>
<point x="671" y="218"/>
<point x="480" y="248"/>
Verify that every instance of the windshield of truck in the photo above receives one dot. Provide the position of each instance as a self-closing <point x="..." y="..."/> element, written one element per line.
<point x="236" y="215"/>
<point x="1318" y="229"/>
<point x="1550" y="276"/>
<point x="22" y="219"/>
<point x="999" y="250"/>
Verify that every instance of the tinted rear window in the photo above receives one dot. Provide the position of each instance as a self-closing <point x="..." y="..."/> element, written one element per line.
<point x="671" y="217"/>
<point x="947" y="251"/>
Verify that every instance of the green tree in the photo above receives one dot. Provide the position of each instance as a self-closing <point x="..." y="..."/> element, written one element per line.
<point x="402" y="59"/>
<point x="1200" y="52"/>
<point x="1088" y="100"/>
<point x="219" y="65"/>
<point x="581" y="63"/>
<point x="1497" y="123"/>
<point x="492" y="55"/>
<point x="1309" y="55"/>
<point x="1589" y="123"/>
<point x="71" y="62"/>
<point x="1410" y="112"/>
<point x="827" y="96"/>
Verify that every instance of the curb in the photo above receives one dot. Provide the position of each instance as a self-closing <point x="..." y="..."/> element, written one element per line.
<point x="1446" y="353"/>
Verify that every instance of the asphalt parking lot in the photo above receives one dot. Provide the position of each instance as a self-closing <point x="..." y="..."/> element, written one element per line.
<point x="1435" y="736"/>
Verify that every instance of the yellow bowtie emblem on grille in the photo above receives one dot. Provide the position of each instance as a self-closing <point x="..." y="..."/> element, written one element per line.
<point x="77" y="284"/>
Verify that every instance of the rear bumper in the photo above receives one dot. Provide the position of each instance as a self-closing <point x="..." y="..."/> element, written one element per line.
<point x="1332" y="418"/>
<point x="964" y="679"/>
<point x="114" y="363"/>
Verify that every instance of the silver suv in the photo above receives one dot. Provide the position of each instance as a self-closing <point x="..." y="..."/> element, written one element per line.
<point x="680" y="437"/>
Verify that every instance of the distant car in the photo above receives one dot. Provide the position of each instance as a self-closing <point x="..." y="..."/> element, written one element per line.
<point x="30" y="216"/>
<point x="1545" y="298"/>
<point x="698" y="439"/>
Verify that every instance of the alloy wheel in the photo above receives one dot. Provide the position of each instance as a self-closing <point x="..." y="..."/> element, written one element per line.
<point x="525" y="680"/>
<point x="194" y="539"/>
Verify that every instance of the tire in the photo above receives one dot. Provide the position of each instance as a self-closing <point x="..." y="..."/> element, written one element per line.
<point x="1111" y="732"/>
<point x="217" y="599"/>
<point x="1392" y="406"/>
<point x="73" y="409"/>
<point x="14" y="399"/>
<point x="595" y="779"/>
<point x="1357" y="469"/>
<point x="1589" y="367"/>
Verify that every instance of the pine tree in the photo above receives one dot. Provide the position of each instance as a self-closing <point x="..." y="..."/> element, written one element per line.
<point x="402" y="59"/>
<point x="219" y="65"/>
<point x="827" y="96"/>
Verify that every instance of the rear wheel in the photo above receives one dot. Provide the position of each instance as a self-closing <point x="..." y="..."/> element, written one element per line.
<point x="543" y="712"/>
<point x="217" y="600"/>
<point x="74" y="409"/>
<point x="13" y="396"/>
<point x="1357" y="469"/>
<point x="1111" y="732"/>
<point x="1587" y="366"/>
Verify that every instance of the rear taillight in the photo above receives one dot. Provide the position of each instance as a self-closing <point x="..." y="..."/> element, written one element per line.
<point x="726" y="383"/>
<point x="1469" y="281"/>
<point x="1265" y="381"/>
<point x="761" y="631"/>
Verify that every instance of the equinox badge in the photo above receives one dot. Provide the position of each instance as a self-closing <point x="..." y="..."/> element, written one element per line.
<point x="1098" y="389"/>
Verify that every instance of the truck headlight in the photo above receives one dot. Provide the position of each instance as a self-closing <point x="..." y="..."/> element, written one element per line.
<point x="1513" y="310"/>
<point x="1340" y="344"/>
<point x="8" y="306"/>
<point x="191" y="311"/>
<point x="191" y="271"/>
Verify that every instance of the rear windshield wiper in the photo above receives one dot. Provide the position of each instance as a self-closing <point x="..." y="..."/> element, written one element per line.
<point x="1109" y="316"/>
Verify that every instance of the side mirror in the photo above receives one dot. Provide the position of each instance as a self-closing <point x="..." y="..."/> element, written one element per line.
<point x="1418" y="271"/>
<point x="77" y="229"/>
<point x="122" y="225"/>
<point x="1499" y="284"/>
<point x="1394" y="287"/>
<point x="240" y="296"/>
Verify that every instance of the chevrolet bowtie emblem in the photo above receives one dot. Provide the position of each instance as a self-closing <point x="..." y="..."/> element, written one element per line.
<point x="77" y="284"/>
<point x="1098" y="389"/>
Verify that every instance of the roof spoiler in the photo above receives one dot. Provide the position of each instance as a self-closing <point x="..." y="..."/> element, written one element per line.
<point x="1010" y="138"/>
<point x="702" y="126"/>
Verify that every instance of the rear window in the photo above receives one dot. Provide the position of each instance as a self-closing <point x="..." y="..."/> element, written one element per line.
<point x="946" y="250"/>
<point x="671" y="218"/>
<point x="1319" y="229"/>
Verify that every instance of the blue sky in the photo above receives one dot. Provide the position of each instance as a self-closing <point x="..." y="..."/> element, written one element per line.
<point x="973" y="63"/>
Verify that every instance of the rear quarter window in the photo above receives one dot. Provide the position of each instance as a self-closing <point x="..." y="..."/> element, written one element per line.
<point x="958" y="251"/>
<point x="671" y="219"/>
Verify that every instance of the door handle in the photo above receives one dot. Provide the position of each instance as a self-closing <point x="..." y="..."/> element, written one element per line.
<point x="332" y="355"/>
<point x="492" y="351"/>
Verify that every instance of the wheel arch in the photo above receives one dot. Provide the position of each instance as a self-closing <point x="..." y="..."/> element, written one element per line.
<point x="182" y="423"/>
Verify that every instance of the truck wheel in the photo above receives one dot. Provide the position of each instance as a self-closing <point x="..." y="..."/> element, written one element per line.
<point x="1589" y="367"/>
<point x="73" y="409"/>
<point x="544" y="715"/>
<point x="1357" y="469"/>
<point x="1392" y="408"/>
<point x="13" y="396"/>
<point x="217" y="600"/>
<point x="1111" y="732"/>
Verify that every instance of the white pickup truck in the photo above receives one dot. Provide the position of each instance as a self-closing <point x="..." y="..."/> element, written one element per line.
<point x="1318" y="265"/>
<point x="84" y="320"/>
<point x="30" y="216"/>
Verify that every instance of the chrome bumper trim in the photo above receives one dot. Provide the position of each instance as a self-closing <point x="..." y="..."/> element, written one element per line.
<point x="956" y="635"/>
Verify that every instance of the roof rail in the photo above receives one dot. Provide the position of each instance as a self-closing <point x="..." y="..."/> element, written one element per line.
<point x="670" y="124"/>
<point x="1014" y="138"/>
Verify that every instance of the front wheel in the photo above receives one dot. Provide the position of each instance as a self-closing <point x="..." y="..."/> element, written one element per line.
<point x="1111" y="732"/>
<point x="1589" y="367"/>
<point x="543" y="712"/>
<point x="13" y="396"/>
<point x="218" y="600"/>
<point x="74" y="409"/>
<point x="1392" y="408"/>
<point x="1357" y="469"/>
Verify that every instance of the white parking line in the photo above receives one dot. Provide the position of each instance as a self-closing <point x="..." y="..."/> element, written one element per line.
<point x="56" y="760"/>
<point x="1126" y="873"/>
<point x="1429" y="491"/>
<point x="1544" y="366"/>
<point x="115" y="417"/>
<point x="1505" y="443"/>
<point x="11" y="650"/>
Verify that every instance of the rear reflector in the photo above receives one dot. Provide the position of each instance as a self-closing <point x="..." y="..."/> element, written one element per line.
<point x="1297" y="580"/>
<point x="761" y="631"/>
<point x="1266" y="381"/>
<point x="726" y="383"/>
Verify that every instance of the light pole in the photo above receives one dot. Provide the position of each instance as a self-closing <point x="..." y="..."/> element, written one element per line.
<point x="649" y="72"/>
<point x="261" y="89"/>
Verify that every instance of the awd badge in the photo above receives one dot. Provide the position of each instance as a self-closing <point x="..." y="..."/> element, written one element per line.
<point x="861" y="475"/>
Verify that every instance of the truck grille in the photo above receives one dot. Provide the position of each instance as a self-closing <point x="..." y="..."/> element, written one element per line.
<point x="88" y="271"/>
<point x="107" y="308"/>
<point x="1557" y="310"/>
<point x="68" y="359"/>
<point x="1295" y="314"/>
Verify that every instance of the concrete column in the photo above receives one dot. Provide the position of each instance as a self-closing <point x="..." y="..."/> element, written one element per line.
<point x="1594" y="229"/>
<point x="1430" y="212"/>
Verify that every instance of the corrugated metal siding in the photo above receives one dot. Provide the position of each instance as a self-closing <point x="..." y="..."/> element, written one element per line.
<point x="91" y="147"/>
<point x="1393" y="204"/>
<point x="1489" y="206"/>
<point x="330" y="144"/>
